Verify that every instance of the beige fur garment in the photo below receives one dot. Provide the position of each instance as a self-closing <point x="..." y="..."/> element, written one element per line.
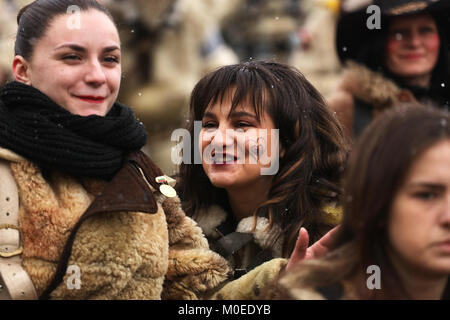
<point x="121" y="255"/>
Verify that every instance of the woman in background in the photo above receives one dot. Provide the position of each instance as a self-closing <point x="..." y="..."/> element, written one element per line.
<point x="394" y="241"/>
<point x="402" y="59"/>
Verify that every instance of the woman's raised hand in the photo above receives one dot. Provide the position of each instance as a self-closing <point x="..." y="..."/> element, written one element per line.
<point x="319" y="249"/>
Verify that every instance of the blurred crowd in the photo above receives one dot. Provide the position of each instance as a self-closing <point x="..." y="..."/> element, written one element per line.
<point x="168" y="45"/>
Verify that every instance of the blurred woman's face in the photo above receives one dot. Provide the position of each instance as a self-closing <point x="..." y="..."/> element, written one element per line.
<point x="79" y="68"/>
<point x="419" y="222"/>
<point x="413" y="46"/>
<point x="236" y="147"/>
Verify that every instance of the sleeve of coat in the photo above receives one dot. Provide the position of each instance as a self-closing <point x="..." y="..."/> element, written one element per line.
<point x="194" y="269"/>
<point x="250" y="285"/>
<point x="120" y="256"/>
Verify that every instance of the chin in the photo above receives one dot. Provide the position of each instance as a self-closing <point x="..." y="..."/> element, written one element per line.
<point x="84" y="112"/>
<point x="91" y="113"/>
<point x="414" y="73"/>
<point x="222" y="183"/>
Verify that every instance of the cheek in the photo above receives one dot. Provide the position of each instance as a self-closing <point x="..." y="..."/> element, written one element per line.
<point x="204" y="139"/>
<point x="114" y="78"/>
<point x="55" y="84"/>
<point x="433" y="44"/>
<point x="407" y="231"/>
<point x="392" y="48"/>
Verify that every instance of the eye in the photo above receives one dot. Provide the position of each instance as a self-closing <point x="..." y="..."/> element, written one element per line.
<point x="243" y="124"/>
<point x="426" y="195"/>
<point x="112" y="59"/>
<point x="397" y="34"/>
<point x="427" y="30"/>
<point x="71" y="57"/>
<point x="208" y="124"/>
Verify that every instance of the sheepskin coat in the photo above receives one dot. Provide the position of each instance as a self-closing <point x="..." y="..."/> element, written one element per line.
<point x="291" y="286"/>
<point x="211" y="218"/>
<point x="136" y="244"/>
<point x="250" y="285"/>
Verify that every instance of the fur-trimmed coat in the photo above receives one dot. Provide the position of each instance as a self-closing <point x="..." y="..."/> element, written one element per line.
<point x="122" y="251"/>
<point x="291" y="286"/>
<point x="211" y="218"/>
<point x="250" y="285"/>
<point x="360" y="83"/>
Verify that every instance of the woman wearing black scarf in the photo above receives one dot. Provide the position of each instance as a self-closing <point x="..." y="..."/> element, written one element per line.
<point x="395" y="51"/>
<point x="77" y="195"/>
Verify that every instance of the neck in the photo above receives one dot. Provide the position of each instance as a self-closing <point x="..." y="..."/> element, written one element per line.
<point x="418" y="284"/>
<point x="419" y="81"/>
<point x="426" y="289"/>
<point x="245" y="200"/>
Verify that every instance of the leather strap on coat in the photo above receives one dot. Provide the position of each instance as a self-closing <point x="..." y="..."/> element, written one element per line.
<point x="15" y="282"/>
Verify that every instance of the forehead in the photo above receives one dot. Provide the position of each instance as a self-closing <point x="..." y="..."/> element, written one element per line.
<point x="412" y="20"/>
<point x="91" y="27"/>
<point x="433" y="163"/>
<point x="231" y="100"/>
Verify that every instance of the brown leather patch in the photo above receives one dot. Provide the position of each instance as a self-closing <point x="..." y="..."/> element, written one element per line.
<point x="151" y="170"/>
<point x="127" y="191"/>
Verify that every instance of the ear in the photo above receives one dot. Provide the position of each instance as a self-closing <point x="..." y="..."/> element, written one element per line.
<point x="21" y="70"/>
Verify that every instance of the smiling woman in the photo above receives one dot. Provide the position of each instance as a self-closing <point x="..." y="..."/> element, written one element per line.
<point x="253" y="115"/>
<point x="78" y="70"/>
<point x="405" y="60"/>
<point x="71" y="165"/>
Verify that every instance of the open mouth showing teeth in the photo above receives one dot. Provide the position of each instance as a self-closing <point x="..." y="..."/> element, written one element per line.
<point x="225" y="158"/>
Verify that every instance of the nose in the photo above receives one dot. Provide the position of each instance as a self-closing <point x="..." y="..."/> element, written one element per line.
<point x="445" y="213"/>
<point x="223" y="136"/>
<point x="95" y="74"/>
<point x="414" y="39"/>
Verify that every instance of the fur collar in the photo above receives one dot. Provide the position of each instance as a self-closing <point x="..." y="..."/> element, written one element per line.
<point x="210" y="218"/>
<point x="373" y="87"/>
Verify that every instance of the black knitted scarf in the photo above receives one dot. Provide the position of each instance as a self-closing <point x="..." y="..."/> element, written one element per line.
<point x="35" y="127"/>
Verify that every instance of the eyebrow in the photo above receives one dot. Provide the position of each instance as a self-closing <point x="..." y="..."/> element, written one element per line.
<point x="79" y="48"/>
<point x="243" y="114"/>
<point x="232" y="115"/>
<point x="428" y="185"/>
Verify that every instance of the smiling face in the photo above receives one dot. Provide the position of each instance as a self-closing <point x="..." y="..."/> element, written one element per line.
<point x="419" y="222"/>
<point x="237" y="146"/>
<point x="79" y="69"/>
<point x="413" y="46"/>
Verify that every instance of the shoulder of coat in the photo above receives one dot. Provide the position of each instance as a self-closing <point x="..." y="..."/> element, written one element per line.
<point x="369" y="86"/>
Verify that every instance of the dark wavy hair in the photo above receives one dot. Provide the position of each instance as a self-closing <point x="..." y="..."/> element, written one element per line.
<point x="309" y="133"/>
<point x="34" y="19"/>
<point x="375" y="171"/>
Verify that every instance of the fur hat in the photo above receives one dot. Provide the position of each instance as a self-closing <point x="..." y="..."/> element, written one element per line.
<point x="353" y="33"/>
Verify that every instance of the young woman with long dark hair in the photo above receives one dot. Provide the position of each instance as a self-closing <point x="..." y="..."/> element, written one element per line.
<point x="394" y="241"/>
<point x="271" y="154"/>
